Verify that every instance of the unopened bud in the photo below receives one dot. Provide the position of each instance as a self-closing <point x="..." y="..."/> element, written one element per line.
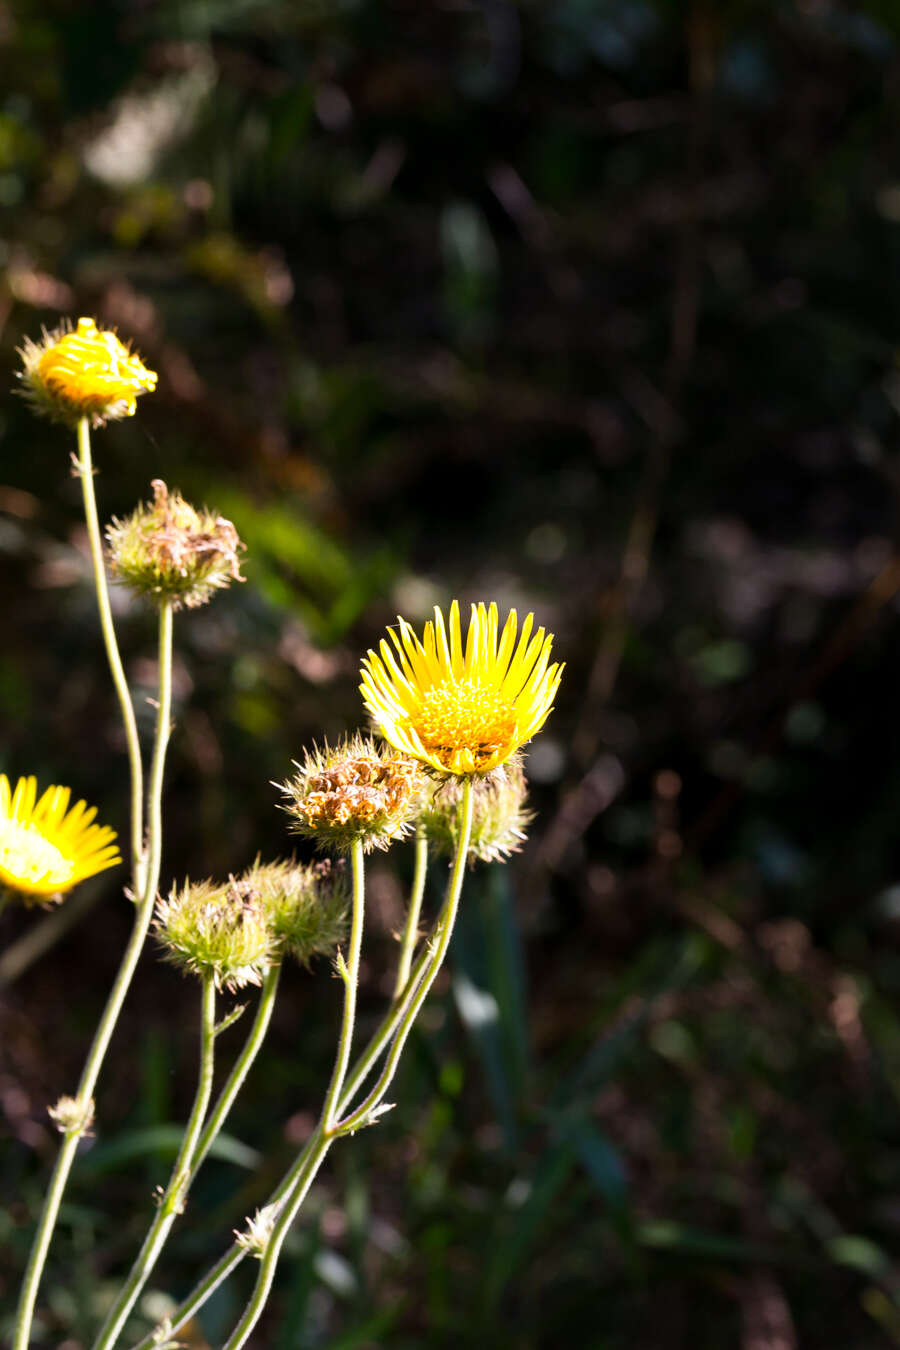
<point x="305" y="905"/>
<point x="217" y="932"/>
<point x="499" y="817"/>
<point x="85" y="372"/>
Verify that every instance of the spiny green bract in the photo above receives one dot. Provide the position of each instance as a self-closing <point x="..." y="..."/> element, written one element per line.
<point x="305" y="905"/>
<point x="216" y="931"/>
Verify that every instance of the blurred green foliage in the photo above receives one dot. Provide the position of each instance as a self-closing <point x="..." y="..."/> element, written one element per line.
<point x="589" y="306"/>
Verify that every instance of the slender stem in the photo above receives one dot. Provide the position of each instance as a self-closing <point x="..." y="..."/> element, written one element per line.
<point x="362" y="1114"/>
<point x="241" y="1068"/>
<point x="314" y="1153"/>
<point x="86" y="474"/>
<point x="172" y="1203"/>
<point x="143" y="915"/>
<point x="297" y="1173"/>
<point x="411" y="929"/>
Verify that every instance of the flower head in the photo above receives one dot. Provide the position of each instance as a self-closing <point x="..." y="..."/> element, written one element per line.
<point x="353" y="791"/>
<point x="85" y="372"/>
<point x="46" y="848"/>
<point x="215" y="931"/>
<point x="168" y="550"/>
<point x="461" y="710"/>
<point x="499" y="816"/>
<point x="305" y="905"/>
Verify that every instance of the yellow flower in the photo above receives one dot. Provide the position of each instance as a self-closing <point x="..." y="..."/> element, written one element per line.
<point x="45" y="848"/>
<point x="462" y="711"/>
<point x="85" y="373"/>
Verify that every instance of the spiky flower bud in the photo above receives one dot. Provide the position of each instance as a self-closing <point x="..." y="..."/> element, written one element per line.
<point x="305" y="905"/>
<point x="168" y="550"/>
<point x="499" y="817"/>
<point x="219" y="932"/>
<point x="85" y="372"/>
<point x="71" y="1116"/>
<point x="352" y="792"/>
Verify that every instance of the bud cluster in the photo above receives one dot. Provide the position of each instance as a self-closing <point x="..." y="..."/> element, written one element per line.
<point x="234" y="932"/>
<point x="167" y="549"/>
<point x="354" y="792"/>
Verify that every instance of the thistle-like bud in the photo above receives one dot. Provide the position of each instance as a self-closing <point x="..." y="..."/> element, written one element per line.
<point x="170" y="551"/>
<point x="305" y="905"/>
<point x="218" y="932"/>
<point x="353" y="792"/>
<point x="85" y="372"/>
<point x="499" y="817"/>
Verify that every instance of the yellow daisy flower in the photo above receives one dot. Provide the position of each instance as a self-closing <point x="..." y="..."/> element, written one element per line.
<point x="461" y="710"/>
<point x="45" y="848"/>
<point x="87" y="372"/>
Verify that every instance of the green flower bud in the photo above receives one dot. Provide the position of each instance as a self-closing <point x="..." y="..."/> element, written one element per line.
<point x="170" y="551"/>
<point x="216" y="931"/>
<point x="305" y="905"/>
<point x="499" y="817"/>
<point x="354" y="791"/>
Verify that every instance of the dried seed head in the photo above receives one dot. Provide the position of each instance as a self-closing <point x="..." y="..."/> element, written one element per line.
<point x="85" y="372"/>
<point x="305" y="905"/>
<point x="499" y="817"/>
<point x="354" y="791"/>
<point x="169" y="550"/>
<point x="216" y="931"/>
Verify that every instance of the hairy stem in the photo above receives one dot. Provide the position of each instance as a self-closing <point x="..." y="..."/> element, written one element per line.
<point x="107" y="1023"/>
<point x="172" y="1202"/>
<point x="411" y="928"/>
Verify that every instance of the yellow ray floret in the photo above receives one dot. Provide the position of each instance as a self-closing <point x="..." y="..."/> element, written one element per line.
<point x="46" y="848"/>
<point x="461" y="709"/>
<point x="86" y="372"/>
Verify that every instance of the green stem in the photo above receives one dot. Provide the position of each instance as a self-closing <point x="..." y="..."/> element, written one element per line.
<point x="363" y="1113"/>
<point x="172" y="1203"/>
<point x="235" y="1080"/>
<point x="411" y="929"/>
<point x="307" y="1165"/>
<point x="328" y="1129"/>
<point x="106" y="1025"/>
<point x="298" y="1171"/>
<point x="86" y="474"/>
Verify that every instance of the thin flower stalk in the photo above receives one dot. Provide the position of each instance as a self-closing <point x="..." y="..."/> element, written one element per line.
<point x="411" y="927"/>
<point x="306" y="1164"/>
<point x="173" y="1200"/>
<point x="135" y="766"/>
<point x="107" y="1023"/>
<point x="241" y="1068"/>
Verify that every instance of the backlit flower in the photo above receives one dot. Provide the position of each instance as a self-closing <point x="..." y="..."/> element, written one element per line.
<point x="462" y="710"/>
<point x="46" y="848"/>
<point x="85" y="372"/>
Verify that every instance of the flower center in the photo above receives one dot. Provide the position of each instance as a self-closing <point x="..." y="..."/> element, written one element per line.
<point x="28" y="859"/>
<point x="466" y="716"/>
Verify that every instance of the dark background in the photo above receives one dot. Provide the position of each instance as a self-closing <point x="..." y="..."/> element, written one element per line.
<point x="590" y="307"/>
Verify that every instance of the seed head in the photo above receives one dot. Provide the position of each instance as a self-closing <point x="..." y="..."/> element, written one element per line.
<point x="354" y="791"/>
<point x="169" y="550"/>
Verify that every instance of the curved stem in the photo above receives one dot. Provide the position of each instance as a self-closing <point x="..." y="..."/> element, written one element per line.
<point x="315" y="1152"/>
<point x="298" y="1171"/>
<point x="106" y="1025"/>
<point x="86" y="474"/>
<point x="235" y="1080"/>
<point x="172" y="1203"/>
<point x="441" y="941"/>
<point x="411" y="928"/>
